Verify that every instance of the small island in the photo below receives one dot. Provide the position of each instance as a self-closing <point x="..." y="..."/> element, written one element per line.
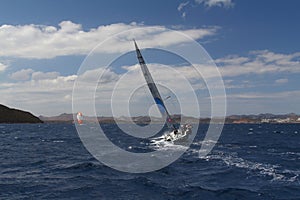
<point x="11" y="115"/>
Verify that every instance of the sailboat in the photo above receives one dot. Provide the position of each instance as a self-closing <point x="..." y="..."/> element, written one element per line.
<point x="175" y="134"/>
<point x="79" y="117"/>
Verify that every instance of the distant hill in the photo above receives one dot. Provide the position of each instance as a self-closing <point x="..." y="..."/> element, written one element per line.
<point x="10" y="115"/>
<point x="60" y="118"/>
<point x="68" y="118"/>
<point x="290" y="118"/>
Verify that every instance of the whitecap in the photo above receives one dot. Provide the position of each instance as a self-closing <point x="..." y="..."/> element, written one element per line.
<point x="58" y="141"/>
<point x="263" y="169"/>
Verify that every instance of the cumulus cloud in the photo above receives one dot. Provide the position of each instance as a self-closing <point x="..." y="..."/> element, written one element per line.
<point x="49" y="93"/>
<point x="39" y="92"/>
<point x="2" y="67"/>
<point x="30" y="74"/>
<point x="35" y="89"/>
<point x="99" y="75"/>
<point x="40" y="41"/>
<point x="22" y="75"/>
<point x="44" y="75"/>
<point x="259" y="62"/>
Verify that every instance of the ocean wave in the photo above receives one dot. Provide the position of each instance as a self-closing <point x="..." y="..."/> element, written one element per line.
<point x="273" y="171"/>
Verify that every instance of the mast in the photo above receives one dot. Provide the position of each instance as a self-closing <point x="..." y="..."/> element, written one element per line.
<point x="153" y="89"/>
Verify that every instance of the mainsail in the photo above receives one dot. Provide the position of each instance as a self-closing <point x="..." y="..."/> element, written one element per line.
<point x="153" y="89"/>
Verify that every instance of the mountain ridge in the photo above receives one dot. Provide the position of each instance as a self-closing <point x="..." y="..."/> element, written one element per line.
<point x="251" y="118"/>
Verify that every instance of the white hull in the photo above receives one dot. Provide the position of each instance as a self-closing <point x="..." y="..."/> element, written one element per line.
<point x="179" y="136"/>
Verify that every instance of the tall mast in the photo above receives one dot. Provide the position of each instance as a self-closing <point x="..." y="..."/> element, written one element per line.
<point x="153" y="89"/>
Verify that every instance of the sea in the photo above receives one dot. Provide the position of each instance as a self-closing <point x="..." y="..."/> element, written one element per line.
<point x="249" y="161"/>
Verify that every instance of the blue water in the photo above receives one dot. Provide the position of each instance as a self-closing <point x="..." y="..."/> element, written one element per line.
<point x="48" y="161"/>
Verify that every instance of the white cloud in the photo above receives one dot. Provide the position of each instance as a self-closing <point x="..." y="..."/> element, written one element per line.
<point x="40" y="41"/>
<point x="22" y="75"/>
<point x="182" y="5"/>
<point x="166" y="78"/>
<point x="219" y="3"/>
<point x="44" y="75"/>
<point x="49" y="93"/>
<point x="93" y="76"/>
<point x="2" y="67"/>
<point x="259" y="62"/>
<point x="27" y="74"/>
<point x="42" y="93"/>
<point x="70" y="27"/>
<point x="263" y="102"/>
<point x="232" y="60"/>
<point x="266" y="64"/>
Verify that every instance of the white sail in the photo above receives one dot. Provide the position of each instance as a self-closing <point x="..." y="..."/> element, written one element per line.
<point x="79" y="117"/>
<point x="153" y="89"/>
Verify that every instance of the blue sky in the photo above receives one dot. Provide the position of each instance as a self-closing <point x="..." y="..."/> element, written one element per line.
<point x="255" y="45"/>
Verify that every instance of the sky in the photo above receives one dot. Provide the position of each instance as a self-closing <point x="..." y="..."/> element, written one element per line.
<point x="254" y="45"/>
